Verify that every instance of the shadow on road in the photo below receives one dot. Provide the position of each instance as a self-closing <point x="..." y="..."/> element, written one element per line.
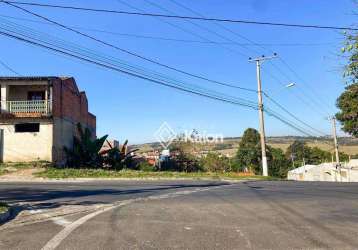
<point x="36" y="197"/>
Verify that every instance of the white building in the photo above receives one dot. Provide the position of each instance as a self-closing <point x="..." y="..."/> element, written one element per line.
<point x="326" y="172"/>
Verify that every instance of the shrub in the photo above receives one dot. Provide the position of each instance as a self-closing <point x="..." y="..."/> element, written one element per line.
<point x="214" y="162"/>
<point x="85" y="151"/>
<point x="146" y="167"/>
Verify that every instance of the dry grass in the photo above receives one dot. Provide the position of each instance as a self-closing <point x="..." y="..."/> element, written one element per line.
<point x="348" y="149"/>
<point x="282" y="143"/>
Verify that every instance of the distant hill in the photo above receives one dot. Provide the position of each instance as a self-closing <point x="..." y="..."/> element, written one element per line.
<point x="229" y="146"/>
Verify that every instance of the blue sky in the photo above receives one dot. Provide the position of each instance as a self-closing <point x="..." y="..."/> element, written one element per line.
<point x="130" y="108"/>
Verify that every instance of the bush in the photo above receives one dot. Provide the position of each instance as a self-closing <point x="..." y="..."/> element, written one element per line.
<point x="278" y="163"/>
<point x="214" y="162"/>
<point x="182" y="159"/>
<point x="146" y="167"/>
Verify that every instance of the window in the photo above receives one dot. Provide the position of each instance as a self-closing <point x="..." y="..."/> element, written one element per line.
<point x="27" y="127"/>
<point x="36" y="95"/>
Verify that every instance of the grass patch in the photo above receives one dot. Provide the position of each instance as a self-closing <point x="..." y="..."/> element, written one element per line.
<point x="56" y="173"/>
<point x="3" y="207"/>
<point x="6" y="168"/>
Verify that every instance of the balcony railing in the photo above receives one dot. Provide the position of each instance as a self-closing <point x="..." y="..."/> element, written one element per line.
<point x="34" y="106"/>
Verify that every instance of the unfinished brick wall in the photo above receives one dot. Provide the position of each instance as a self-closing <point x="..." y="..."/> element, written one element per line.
<point x="70" y="104"/>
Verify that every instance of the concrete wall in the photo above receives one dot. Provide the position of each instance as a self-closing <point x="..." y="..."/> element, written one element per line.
<point x="325" y="172"/>
<point x="25" y="147"/>
<point x="63" y="133"/>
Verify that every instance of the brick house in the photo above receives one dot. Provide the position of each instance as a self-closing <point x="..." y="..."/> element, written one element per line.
<point x="39" y="116"/>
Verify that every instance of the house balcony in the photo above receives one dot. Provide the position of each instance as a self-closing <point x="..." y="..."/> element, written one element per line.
<point x="32" y="100"/>
<point x="32" y="108"/>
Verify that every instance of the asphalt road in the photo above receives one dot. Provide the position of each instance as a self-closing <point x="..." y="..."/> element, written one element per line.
<point x="181" y="215"/>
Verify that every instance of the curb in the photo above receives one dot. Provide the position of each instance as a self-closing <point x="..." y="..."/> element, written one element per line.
<point x="4" y="217"/>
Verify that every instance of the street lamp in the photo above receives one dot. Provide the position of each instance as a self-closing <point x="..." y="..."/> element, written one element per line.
<point x="290" y="85"/>
<point x="287" y="86"/>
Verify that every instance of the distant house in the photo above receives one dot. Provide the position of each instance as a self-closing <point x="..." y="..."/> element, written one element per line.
<point x="39" y="116"/>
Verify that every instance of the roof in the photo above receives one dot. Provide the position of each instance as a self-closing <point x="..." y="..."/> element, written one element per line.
<point x="32" y="78"/>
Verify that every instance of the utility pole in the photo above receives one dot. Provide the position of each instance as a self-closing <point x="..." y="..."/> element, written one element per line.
<point x="334" y="133"/>
<point x="258" y="61"/>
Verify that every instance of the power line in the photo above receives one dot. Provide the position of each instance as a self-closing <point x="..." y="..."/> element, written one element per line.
<point x="308" y="104"/>
<point x="221" y="36"/>
<point x="314" y="99"/>
<point x="288" y="123"/>
<point x="249" y="40"/>
<point x="129" y="52"/>
<point x="105" y="59"/>
<point x="218" y="25"/>
<point x="167" y="22"/>
<point x="180" y="71"/>
<point x="8" y="68"/>
<point x="172" y="39"/>
<point x="226" y="20"/>
<point x="196" y="34"/>
<point x="316" y="94"/>
<point x="196" y="92"/>
<point x="126" y="72"/>
<point x="292" y="115"/>
<point x="153" y="80"/>
<point x="202" y="28"/>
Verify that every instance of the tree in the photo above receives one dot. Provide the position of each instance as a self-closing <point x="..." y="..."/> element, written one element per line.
<point x="350" y="51"/>
<point x="348" y="101"/>
<point x="249" y="156"/>
<point x="317" y="156"/>
<point x="348" y="105"/>
<point x="278" y="163"/>
<point x="215" y="162"/>
<point x="249" y="152"/>
<point x="298" y="152"/>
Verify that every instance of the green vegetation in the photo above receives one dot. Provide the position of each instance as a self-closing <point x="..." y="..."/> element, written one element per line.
<point x="248" y="156"/>
<point x="214" y="162"/>
<point x="57" y="173"/>
<point x="6" y="168"/>
<point x="348" y="105"/>
<point x="183" y="159"/>
<point x="3" y="207"/>
<point x="146" y="167"/>
<point x="187" y="160"/>
<point x="348" y="101"/>
<point x="278" y="163"/>
<point x="86" y="152"/>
